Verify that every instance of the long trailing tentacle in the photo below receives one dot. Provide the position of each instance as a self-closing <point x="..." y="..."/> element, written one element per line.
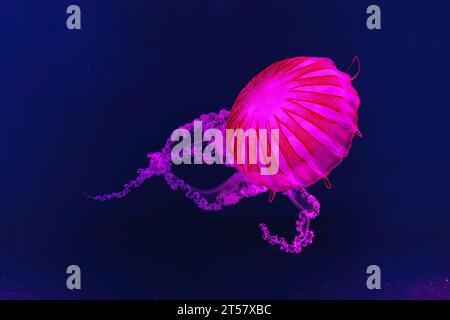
<point x="228" y="193"/>
<point x="309" y="209"/>
<point x="158" y="165"/>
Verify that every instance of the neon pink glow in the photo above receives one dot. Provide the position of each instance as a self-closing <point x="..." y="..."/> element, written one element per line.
<point x="314" y="106"/>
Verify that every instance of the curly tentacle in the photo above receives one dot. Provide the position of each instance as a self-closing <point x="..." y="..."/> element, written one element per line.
<point x="228" y="193"/>
<point x="309" y="209"/>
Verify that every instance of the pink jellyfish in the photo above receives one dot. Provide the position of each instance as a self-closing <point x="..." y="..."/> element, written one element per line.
<point x="313" y="106"/>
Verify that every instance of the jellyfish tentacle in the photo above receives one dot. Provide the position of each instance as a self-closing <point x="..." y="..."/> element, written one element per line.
<point x="228" y="193"/>
<point x="309" y="209"/>
<point x="355" y="59"/>
<point x="157" y="166"/>
<point x="303" y="200"/>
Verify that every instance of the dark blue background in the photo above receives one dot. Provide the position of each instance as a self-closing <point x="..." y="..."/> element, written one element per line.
<point x="80" y="110"/>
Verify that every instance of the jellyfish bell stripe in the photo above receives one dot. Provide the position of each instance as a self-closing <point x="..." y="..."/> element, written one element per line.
<point x="250" y="149"/>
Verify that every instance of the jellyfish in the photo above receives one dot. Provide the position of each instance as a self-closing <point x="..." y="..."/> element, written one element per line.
<point x="313" y="106"/>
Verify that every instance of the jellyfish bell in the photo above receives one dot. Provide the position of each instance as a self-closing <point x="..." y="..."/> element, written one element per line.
<point x="310" y="105"/>
<point x="313" y="106"/>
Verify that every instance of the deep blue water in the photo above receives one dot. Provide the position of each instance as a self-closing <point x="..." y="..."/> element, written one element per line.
<point x="80" y="110"/>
